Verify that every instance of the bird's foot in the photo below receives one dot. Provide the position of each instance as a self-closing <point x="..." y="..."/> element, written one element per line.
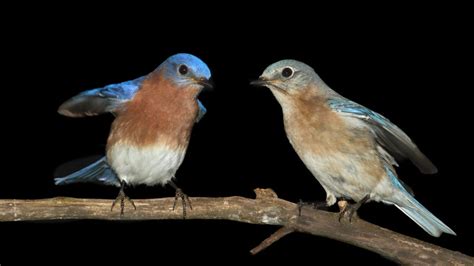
<point x="350" y="210"/>
<point x="121" y="197"/>
<point x="317" y="205"/>
<point x="184" y="200"/>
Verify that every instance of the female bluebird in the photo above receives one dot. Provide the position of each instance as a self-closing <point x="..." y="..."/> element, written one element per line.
<point x="350" y="149"/>
<point x="154" y="118"/>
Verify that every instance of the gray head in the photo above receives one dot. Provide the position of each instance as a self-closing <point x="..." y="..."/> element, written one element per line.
<point x="288" y="76"/>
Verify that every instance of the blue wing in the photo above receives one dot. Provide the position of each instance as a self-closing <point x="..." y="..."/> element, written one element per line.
<point x="387" y="134"/>
<point x="98" y="172"/>
<point x="202" y="111"/>
<point x="101" y="100"/>
<point x="108" y="99"/>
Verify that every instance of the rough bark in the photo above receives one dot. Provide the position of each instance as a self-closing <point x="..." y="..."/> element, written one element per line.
<point x="267" y="208"/>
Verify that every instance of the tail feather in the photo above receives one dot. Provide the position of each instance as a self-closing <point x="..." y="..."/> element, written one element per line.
<point x="424" y="218"/>
<point x="98" y="172"/>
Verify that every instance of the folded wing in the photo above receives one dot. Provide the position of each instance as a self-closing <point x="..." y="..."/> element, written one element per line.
<point x="387" y="134"/>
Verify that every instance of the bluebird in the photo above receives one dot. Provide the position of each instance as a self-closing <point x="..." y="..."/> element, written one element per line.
<point x="349" y="149"/>
<point x="150" y="134"/>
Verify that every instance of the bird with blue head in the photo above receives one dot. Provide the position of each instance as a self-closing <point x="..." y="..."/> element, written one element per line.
<point x="151" y="132"/>
<point x="350" y="149"/>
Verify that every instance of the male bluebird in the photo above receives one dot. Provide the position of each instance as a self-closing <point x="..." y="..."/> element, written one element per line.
<point x="347" y="147"/>
<point x="154" y="118"/>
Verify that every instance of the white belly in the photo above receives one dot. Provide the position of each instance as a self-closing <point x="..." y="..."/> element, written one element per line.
<point x="339" y="176"/>
<point x="150" y="165"/>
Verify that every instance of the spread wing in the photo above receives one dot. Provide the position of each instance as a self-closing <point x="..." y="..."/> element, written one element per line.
<point x="108" y="99"/>
<point x="101" y="100"/>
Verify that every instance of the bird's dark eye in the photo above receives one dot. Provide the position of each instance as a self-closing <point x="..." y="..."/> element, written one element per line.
<point x="287" y="72"/>
<point x="183" y="69"/>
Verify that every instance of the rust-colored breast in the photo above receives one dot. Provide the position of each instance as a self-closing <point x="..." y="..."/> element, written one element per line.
<point x="160" y="113"/>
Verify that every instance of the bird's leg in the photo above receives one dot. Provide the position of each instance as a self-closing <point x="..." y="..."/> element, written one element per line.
<point x="122" y="197"/>
<point x="351" y="209"/>
<point x="184" y="199"/>
<point x="317" y="205"/>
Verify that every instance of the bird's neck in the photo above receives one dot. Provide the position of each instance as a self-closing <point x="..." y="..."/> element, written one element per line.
<point x="301" y="99"/>
<point x="304" y="109"/>
<point x="161" y="113"/>
<point x="159" y="92"/>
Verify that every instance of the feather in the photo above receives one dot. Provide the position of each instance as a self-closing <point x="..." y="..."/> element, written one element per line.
<point x="98" y="172"/>
<point x="108" y="99"/>
<point x="387" y="134"/>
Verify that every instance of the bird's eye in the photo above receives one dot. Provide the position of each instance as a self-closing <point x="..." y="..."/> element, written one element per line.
<point x="183" y="69"/>
<point x="287" y="72"/>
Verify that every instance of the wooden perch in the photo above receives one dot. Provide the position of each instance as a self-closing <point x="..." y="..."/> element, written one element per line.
<point x="267" y="208"/>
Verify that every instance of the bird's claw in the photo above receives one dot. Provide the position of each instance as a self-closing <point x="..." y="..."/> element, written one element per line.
<point x="122" y="198"/>
<point x="348" y="211"/>
<point x="184" y="200"/>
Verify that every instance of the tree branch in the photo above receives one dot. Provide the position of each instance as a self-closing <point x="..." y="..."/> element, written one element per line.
<point x="272" y="239"/>
<point x="265" y="209"/>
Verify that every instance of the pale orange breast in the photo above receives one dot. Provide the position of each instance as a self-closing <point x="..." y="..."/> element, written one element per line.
<point x="311" y="124"/>
<point x="312" y="127"/>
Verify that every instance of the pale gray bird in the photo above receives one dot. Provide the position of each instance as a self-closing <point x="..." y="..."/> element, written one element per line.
<point x="350" y="149"/>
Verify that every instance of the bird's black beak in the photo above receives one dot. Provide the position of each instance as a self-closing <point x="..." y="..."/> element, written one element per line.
<point x="259" y="82"/>
<point x="207" y="83"/>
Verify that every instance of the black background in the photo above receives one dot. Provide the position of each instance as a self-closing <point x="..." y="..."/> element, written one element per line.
<point x="411" y="67"/>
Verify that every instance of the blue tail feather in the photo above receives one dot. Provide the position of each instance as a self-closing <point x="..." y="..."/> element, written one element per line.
<point x="417" y="212"/>
<point x="98" y="172"/>
<point x="424" y="218"/>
